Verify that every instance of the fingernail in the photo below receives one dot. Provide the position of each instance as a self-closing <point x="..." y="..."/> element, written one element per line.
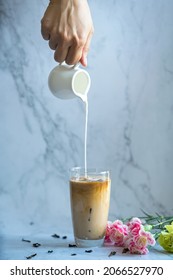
<point x="85" y="60"/>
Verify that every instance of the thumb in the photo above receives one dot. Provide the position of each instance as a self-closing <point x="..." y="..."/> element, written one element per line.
<point x="85" y="51"/>
<point x="83" y="59"/>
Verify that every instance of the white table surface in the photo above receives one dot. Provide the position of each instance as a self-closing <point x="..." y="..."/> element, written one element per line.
<point x="13" y="248"/>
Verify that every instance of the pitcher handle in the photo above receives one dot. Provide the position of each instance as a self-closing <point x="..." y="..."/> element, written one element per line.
<point x="76" y="66"/>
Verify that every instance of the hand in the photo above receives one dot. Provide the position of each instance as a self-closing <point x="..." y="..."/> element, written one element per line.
<point x="67" y="24"/>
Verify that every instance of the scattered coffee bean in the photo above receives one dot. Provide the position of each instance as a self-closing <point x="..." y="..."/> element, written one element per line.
<point x="64" y="237"/>
<point x="73" y="254"/>
<point x="112" y="253"/>
<point x="50" y="251"/>
<point x="88" y="251"/>
<point x="90" y="210"/>
<point x="31" y="256"/>
<point x="36" y="244"/>
<point x="72" y="245"/>
<point x="55" y="235"/>
<point x="125" y="250"/>
<point x="25" y="240"/>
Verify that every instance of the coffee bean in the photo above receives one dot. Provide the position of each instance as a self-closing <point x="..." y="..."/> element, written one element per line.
<point x="36" y="244"/>
<point x="72" y="245"/>
<point x="88" y="251"/>
<point x="55" y="235"/>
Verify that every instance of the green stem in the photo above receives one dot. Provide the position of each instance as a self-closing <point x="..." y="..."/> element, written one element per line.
<point x="156" y="218"/>
<point x="162" y="223"/>
<point x="156" y="235"/>
<point x="151" y="219"/>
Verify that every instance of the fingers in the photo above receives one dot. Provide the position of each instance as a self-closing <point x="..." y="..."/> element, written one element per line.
<point x="75" y="52"/>
<point x="69" y="50"/>
<point x="74" y="55"/>
<point x="53" y="40"/>
<point x="45" y="28"/>
<point x="71" y="55"/>
<point x="61" y="53"/>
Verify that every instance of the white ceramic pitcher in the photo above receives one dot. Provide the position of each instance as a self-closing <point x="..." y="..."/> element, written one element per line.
<point x="67" y="82"/>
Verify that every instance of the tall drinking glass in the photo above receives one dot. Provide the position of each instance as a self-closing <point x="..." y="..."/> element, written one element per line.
<point x="90" y="197"/>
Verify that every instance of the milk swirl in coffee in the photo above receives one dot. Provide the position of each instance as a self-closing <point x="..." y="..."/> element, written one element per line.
<point x="89" y="204"/>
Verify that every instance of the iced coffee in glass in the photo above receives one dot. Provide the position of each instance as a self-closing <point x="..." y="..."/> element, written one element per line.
<point x="90" y="196"/>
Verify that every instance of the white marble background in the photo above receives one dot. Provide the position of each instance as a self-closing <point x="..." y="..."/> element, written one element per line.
<point x="130" y="127"/>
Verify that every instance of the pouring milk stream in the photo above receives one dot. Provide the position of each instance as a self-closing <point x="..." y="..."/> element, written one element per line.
<point x="66" y="82"/>
<point x="89" y="188"/>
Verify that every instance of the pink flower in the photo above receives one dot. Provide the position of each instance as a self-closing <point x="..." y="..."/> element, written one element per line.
<point x="134" y="226"/>
<point x="138" y="244"/>
<point x="108" y="230"/>
<point x="131" y="236"/>
<point x="138" y="239"/>
<point x="116" y="233"/>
